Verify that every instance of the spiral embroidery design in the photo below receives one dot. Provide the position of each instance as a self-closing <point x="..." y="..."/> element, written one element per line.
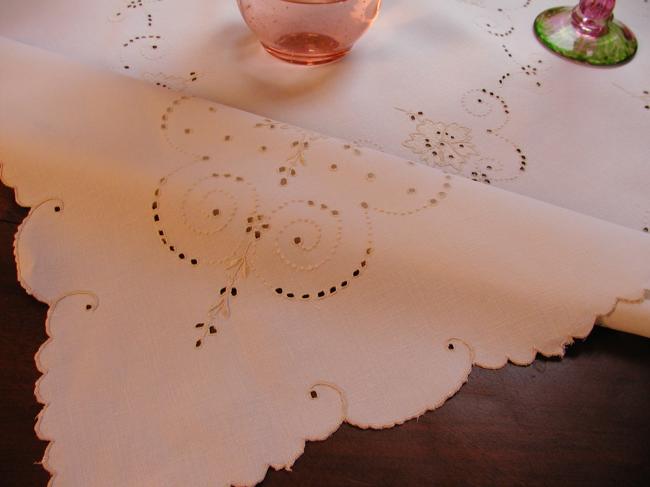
<point x="301" y="249"/>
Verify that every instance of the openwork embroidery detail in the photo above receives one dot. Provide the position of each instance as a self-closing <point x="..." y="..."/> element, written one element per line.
<point x="205" y="215"/>
<point x="496" y="21"/>
<point x="144" y="47"/>
<point x="131" y="6"/>
<point x="174" y="83"/>
<point x="215" y="217"/>
<point x="532" y="68"/>
<point x="152" y="47"/>
<point x="497" y="26"/>
<point x="357" y="146"/>
<point x="452" y="146"/>
<point x="297" y="152"/>
<point x="217" y="211"/>
<point x="441" y="144"/>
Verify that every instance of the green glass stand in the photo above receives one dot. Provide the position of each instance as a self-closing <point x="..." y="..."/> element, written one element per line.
<point x="610" y="43"/>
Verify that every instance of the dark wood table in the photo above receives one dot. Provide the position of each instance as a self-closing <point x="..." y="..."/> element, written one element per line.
<point x="583" y="420"/>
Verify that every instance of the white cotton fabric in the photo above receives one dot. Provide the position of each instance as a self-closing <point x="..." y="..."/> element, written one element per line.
<point x="522" y="118"/>
<point x="148" y="210"/>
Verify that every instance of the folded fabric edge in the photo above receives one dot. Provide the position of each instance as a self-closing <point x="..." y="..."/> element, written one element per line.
<point x="630" y="316"/>
<point x="582" y="330"/>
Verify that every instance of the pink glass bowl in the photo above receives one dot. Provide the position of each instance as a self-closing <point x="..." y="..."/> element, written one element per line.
<point x="309" y="31"/>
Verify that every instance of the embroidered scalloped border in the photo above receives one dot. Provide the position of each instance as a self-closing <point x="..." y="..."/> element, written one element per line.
<point x="581" y="331"/>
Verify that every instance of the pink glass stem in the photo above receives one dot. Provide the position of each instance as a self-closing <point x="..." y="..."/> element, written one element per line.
<point x="591" y="16"/>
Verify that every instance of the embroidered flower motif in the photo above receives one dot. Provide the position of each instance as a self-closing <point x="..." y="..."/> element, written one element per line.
<point x="442" y="144"/>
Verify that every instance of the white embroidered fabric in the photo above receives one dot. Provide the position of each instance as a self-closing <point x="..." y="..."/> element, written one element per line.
<point x="468" y="74"/>
<point x="224" y="287"/>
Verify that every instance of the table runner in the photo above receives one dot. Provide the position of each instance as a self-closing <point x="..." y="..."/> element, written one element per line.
<point x="224" y="287"/>
<point x="527" y="120"/>
<point x="466" y="76"/>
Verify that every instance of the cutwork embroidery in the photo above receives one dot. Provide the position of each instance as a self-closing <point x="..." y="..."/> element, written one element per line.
<point x="131" y="6"/>
<point x="441" y="144"/>
<point x="204" y="215"/>
<point x="451" y="146"/>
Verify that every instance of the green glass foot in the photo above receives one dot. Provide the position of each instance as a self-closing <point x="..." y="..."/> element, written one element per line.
<point x="556" y="31"/>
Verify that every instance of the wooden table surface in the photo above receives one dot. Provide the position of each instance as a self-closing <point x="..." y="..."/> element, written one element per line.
<point x="583" y="420"/>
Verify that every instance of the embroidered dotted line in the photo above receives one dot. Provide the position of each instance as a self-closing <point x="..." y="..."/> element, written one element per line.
<point x="503" y="78"/>
<point x="500" y="34"/>
<point x="333" y="288"/>
<point x="323" y="293"/>
<point x="527" y="69"/>
<point x="358" y="145"/>
<point x="489" y="28"/>
<point x="192" y="77"/>
<point x="298" y="242"/>
<point x="156" y="206"/>
<point x="483" y="177"/>
<point x="479" y="100"/>
<point x="216" y="212"/>
<point x="522" y="158"/>
<point x="271" y="124"/>
<point x="514" y="8"/>
<point x="482" y="96"/>
<point x="429" y="204"/>
<point x="136" y="4"/>
<point x="126" y="66"/>
<point x="312" y="204"/>
<point x="164" y="127"/>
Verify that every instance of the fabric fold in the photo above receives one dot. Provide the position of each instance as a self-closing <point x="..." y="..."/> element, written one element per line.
<point x="224" y="287"/>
